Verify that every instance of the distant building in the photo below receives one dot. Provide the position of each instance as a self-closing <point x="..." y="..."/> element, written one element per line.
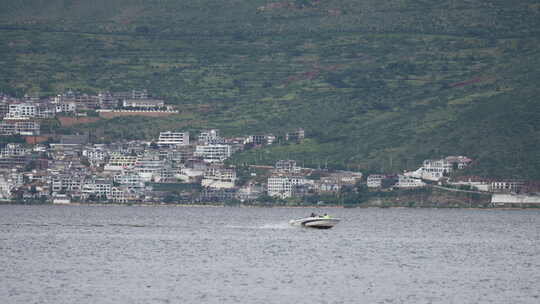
<point x="149" y="167"/>
<point x="213" y="153"/>
<point x="409" y="182"/>
<point x="507" y="186"/>
<point x="25" y="128"/>
<point x="375" y="180"/>
<point x="216" y="177"/>
<point x="171" y="139"/>
<point x="284" y="186"/>
<point x="295" y="135"/>
<point x="66" y="107"/>
<point x="260" y="139"/>
<point x="14" y="150"/>
<point x="143" y="103"/>
<point x="210" y="137"/>
<point x="61" y="199"/>
<point x="436" y="169"/>
<point x="287" y="166"/>
<point x="119" y="162"/>
<point x="22" y="110"/>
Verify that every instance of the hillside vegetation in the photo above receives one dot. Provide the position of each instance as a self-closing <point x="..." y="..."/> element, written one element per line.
<point x="378" y="85"/>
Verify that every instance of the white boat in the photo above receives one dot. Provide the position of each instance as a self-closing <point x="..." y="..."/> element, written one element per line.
<point x="315" y="222"/>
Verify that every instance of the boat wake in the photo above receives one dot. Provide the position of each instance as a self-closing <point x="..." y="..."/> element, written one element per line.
<point x="264" y="226"/>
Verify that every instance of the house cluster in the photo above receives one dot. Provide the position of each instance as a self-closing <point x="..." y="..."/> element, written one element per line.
<point x="22" y="116"/>
<point x="288" y="180"/>
<point x="437" y="171"/>
<point x="175" y="166"/>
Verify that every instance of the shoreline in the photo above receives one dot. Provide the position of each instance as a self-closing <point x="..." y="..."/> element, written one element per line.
<point x="267" y="206"/>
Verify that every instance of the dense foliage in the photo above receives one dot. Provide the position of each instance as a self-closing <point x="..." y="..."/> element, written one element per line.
<point x="378" y="85"/>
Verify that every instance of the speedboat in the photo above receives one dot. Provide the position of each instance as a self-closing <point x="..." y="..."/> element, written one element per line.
<point x="318" y="222"/>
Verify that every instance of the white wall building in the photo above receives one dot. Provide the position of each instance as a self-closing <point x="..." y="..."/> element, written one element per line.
<point x="95" y="154"/>
<point x="284" y="186"/>
<point x="220" y="178"/>
<point x="149" y="167"/>
<point x="213" y="153"/>
<point x="119" y="162"/>
<point x="168" y="139"/>
<point x="288" y="166"/>
<point x="409" y="182"/>
<point x="210" y="137"/>
<point x="375" y="180"/>
<point x="22" y="110"/>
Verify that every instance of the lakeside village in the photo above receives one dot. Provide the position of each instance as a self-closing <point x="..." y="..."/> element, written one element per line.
<point x="180" y="168"/>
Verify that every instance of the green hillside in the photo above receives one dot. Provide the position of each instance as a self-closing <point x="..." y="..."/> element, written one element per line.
<point x="377" y="85"/>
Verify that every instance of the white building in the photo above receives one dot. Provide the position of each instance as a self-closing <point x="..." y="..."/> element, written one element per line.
<point x="95" y="154"/>
<point x="375" y="180"/>
<point x="149" y="167"/>
<point x="98" y="187"/>
<point x="119" y="162"/>
<point x="297" y="135"/>
<point x="22" y="110"/>
<point x="209" y="137"/>
<point x="505" y="186"/>
<point x="24" y="128"/>
<point x="475" y="183"/>
<point x="66" y="107"/>
<point x="284" y="186"/>
<point x="143" y="103"/>
<point x="409" y="182"/>
<point x="168" y="139"/>
<point x="6" y="185"/>
<point x="213" y="153"/>
<point x="220" y="178"/>
<point x="436" y="169"/>
<point x="130" y="180"/>
<point x="13" y="150"/>
<point x="61" y="199"/>
<point x="286" y="166"/>
<point x="67" y="183"/>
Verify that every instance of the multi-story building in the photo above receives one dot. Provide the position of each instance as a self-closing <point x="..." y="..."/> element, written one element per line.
<point x="119" y="162"/>
<point x="14" y="150"/>
<point x="209" y="137"/>
<point x="213" y="153"/>
<point x="172" y="139"/>
<point x="375" y="180"/>
<point x="217" y="177"/>
<point x="68" y="183"/>
<point x="66" y="107"/>
<point x="25" y="128"/>
<point x="409" y="182"/>
<point x="22" y="110"/>
<point x="295" y="135"/>
<point x="284" y="186"/>
<point x="146" y="104"/>
<point x="98" y="187"/>
<point x="288" y="166"/>
<point x="506" y="185"/>
<point x="260" y="139"/>
<point x="107" y="101"/>
<point x="148" y="167"/>
<point x="95" y="154"/>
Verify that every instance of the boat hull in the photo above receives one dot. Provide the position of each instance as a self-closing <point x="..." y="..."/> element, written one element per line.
<point x="315" y="222"/>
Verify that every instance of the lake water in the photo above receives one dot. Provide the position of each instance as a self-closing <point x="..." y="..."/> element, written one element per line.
<point x="107" y="254"/>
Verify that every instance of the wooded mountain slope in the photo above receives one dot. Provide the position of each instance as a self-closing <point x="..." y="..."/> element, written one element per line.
<point x="378" y="85"/>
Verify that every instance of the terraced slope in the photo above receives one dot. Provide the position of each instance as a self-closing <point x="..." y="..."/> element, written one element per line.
<point x="378" y="85"/>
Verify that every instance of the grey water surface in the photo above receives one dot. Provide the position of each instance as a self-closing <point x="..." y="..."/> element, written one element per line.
<point x="108" y="254"/>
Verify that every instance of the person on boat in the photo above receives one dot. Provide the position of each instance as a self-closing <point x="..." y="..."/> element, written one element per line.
<point x="326" y="216"/>
<point x="313" y="214"/>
